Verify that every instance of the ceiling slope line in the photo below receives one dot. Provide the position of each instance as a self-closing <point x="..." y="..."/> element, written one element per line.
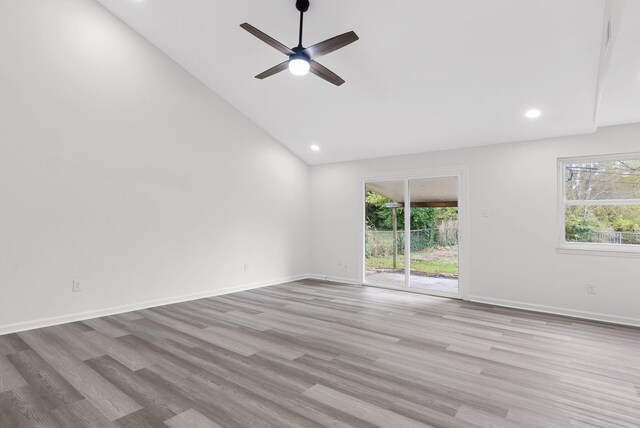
<point x="610" y="27"/>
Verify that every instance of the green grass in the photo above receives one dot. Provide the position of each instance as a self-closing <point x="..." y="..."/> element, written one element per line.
<point x="437" y="261"/>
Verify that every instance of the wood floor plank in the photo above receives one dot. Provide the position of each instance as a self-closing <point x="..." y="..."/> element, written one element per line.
<point x="191" y="419"/>
<point x="361" y="409"/>
<point x="72" y="340"/>
<point x="10" y="378"/>
<point x="143" y="418"/>
<point x="81" y="414"/>
<point x="484" y="419"/>
<point x="49" y="384"/>
<point x="112" y="402"/>
<point x="243" y="380"/>
<point x="133" y="386"/>
<point x="316" y="354"/>
<point x="131" y="358"/>
<point x="105" y="327"/>
<point x="23" y="407"/>
<point x="11" y="343"/>
<point x="280" y="385"/>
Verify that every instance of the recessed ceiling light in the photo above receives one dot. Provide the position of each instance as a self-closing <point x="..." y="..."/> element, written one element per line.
<point x="315" y="147"/>
<point x="533" y="113"/>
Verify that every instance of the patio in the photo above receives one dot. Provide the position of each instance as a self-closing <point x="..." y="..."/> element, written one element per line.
<point x="422" y="282"/>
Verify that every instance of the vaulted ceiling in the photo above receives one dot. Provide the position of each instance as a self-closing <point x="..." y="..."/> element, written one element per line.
<point x="425" y="75"/>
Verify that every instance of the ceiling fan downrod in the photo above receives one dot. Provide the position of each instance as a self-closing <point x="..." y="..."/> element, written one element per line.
<point x="302" y="6"/>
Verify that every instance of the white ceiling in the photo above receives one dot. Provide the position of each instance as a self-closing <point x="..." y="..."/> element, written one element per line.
<point x="425" y="75"/>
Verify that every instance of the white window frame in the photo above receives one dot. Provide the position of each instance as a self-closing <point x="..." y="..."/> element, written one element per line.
<point x="623" y="250"/>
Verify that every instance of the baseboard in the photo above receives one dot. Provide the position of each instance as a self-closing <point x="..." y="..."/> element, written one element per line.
<point x="81" y="316"/>
<point x="333" y="279"/>
<point x="590" y="316"/>
<point x="585" y="315"/>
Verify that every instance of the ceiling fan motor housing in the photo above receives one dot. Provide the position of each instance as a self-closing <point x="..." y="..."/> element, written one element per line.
<point x="300" y="54"/>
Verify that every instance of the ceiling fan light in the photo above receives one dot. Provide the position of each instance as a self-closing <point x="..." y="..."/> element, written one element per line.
<point x="299" y="66"/>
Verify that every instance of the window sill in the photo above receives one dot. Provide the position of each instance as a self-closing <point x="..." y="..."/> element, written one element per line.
<point x="599" y="250"/>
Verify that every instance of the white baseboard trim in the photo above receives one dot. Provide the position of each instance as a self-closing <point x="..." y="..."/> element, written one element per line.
<point x="332" y="279"/>
<point x="97" y="313"/>
<point x="80" y="316"/>
<point x="590" y="316"/>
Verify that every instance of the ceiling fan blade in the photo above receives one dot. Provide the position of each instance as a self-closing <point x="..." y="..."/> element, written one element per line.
<point x="267" y="39"/>
<point x="331" y="44"/>
<point x="324" y="73"/>
<point x="273" y="70"/>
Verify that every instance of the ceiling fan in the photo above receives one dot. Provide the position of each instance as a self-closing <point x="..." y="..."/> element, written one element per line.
<point x="302" y="60"/>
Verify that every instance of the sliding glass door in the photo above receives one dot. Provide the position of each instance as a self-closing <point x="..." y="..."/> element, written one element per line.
<point x="411" y="234"/>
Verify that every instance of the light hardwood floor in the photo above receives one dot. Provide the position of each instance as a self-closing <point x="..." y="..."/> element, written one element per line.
<point x="312" y="354"/>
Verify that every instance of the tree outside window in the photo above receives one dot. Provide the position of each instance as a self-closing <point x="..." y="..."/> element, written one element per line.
<point x="601" y="202"/>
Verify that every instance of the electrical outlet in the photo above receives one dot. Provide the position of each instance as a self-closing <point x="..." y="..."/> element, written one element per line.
<point x="76" y="286"/>
<point x="246" y="267"/>
<point x="591" y="289"/>
<point x="485" y="212"/>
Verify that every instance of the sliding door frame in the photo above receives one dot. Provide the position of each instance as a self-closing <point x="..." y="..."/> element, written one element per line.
<point x="461" y="173"/>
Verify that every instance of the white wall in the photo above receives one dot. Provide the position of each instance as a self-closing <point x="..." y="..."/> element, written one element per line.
<point x="119" y="168"/>
<point x="512" y="253"/>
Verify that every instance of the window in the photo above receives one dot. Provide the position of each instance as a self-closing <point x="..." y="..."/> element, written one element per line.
<point x="600" y="203"/>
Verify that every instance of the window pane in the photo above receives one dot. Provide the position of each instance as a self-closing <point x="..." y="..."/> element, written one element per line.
<point x="618" y="179"/>
<point x="434" y="234"/>
<point x="603" y="224"/>
<point x="384" y="233"/>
